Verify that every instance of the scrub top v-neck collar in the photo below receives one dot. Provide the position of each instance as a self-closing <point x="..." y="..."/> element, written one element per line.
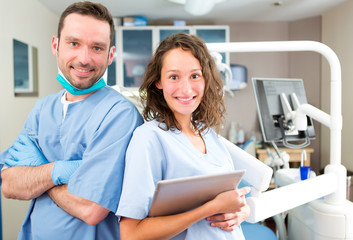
<point x="66" y="104"/>
<point x="191" y="146"/>
<point x="181" y="137"/>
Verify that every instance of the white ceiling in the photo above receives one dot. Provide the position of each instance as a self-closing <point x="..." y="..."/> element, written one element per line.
<point x="230" y="10"/>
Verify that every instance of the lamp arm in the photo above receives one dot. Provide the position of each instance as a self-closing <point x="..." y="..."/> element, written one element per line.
<point x="290" y="196"/>
<point x="308" y="110"/>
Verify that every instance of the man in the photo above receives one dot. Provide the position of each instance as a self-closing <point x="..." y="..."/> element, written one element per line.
<point x="69" y="157"/>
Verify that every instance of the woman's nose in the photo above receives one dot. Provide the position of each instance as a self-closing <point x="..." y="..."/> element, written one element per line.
<point x="185" y="86"/>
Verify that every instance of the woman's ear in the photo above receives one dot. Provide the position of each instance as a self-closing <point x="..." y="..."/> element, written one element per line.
<point x="158" y="84"/>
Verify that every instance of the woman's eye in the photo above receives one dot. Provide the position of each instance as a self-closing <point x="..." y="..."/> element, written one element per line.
<point x="173" y="77"/>
<point x="194" y="76"/>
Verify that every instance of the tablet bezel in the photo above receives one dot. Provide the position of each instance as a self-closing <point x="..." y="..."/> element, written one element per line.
<point x="178" y="195"/>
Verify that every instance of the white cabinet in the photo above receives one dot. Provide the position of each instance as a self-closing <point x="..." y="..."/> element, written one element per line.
<point x="135" y="46"/>
<point x="134" y="50"/>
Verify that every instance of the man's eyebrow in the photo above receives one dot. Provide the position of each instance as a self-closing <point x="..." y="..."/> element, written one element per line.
<point x="100" y="44"/>
<point x="74" y="39"/>
<point x="71" y="39"/>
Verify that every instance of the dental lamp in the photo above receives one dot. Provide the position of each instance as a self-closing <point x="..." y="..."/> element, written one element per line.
<point x="318" y="208"/>
<point x="225" y="72"/>
<point x="292" y="122"/>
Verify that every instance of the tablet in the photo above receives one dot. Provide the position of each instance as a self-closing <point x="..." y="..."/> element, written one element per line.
<point x="178" y="195"/>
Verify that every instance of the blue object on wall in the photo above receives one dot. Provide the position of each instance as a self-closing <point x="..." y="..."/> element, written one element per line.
<point x="240" y="77"/>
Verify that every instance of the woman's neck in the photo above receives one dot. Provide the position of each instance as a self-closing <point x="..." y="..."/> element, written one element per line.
<point x="185" y="124"/>
<point x="192" y="134"/>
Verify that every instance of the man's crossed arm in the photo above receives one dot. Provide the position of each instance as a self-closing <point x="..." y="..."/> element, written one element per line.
<point x="30" y="175"/>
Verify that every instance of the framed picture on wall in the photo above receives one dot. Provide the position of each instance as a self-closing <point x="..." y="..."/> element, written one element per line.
<point x="25" y="59"/>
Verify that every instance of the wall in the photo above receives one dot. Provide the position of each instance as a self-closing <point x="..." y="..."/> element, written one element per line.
<point x="29" y="22"/>
<point x="337" y="34"/>
<point x="307" y="66"/>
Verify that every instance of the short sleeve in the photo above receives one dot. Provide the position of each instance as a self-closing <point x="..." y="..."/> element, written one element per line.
<point x="100" y="176"/>
<point x="144" y="168"/>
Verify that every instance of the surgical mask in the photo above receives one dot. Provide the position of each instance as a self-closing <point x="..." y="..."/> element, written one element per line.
<point x="75" y="91"/>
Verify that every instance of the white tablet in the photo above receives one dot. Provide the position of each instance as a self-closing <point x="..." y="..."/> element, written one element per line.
<point x="182" y="194"/>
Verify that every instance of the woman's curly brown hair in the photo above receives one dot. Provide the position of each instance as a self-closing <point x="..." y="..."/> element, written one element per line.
<point x="211" y="110"/>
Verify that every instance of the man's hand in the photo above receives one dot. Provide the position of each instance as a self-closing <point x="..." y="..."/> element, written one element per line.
<point x="25" y="153"/>
<point x="62" y="171"/>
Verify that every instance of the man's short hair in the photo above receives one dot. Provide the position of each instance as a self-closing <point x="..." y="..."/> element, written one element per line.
<point x="87" y="8"/>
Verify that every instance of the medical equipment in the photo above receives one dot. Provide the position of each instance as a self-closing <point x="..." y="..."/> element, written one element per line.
<point x="317" y="207"/>
<point x="278" y="160"/>
<point x="224" y="71"/>
<point x="275" y="111"/>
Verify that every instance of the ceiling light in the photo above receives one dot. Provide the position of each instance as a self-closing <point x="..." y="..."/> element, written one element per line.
<point x="278" y="3"/>
<point x="197" y="7"/>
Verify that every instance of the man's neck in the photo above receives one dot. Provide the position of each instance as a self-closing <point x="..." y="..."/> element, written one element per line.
<point x="73" y="98"/>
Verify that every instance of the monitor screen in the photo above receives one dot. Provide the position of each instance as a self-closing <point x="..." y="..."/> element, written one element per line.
<point x="269" y="107"/>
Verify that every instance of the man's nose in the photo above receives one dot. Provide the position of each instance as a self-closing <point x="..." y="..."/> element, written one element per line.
<point x="84" y="56"/>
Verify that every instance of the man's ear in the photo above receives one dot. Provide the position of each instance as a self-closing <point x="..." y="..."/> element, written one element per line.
<point x="54" y="45"/>
<point x="111" y="54"/>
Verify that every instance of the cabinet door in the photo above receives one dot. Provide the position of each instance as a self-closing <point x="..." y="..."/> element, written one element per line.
<point x="136" y="50"/>
<point x="214" y="35"/>
<point x="164" y="32"/>
<point x="111" y="73"/>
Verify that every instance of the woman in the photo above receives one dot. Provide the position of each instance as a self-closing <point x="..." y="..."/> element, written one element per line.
<point x="183" y="99"/>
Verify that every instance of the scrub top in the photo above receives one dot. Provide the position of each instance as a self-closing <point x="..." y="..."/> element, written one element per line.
<point x="97" y="130"/>
<point x="153" y="155"/>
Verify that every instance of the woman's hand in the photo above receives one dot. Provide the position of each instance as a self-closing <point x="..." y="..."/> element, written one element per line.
<point x="233" y="206"/>
<point x="229" y="221"/>
<point x="230" y="201"/>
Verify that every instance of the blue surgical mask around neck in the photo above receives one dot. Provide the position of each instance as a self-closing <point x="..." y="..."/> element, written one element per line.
<point x="75" y="91"/>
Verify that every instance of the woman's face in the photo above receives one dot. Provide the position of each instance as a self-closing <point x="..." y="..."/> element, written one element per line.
<point x="182" y="82"/>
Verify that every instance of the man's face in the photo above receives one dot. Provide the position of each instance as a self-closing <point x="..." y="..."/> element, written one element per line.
<point x="83" y="51"/>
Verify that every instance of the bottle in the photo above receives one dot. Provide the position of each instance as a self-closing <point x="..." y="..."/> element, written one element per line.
<point x="232" y="135"/>
<point x="241" y="136"/>
<point x="253" y="137"/>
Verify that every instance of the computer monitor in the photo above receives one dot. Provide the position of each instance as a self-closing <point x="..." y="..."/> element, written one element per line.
<point x="274" y="127"/>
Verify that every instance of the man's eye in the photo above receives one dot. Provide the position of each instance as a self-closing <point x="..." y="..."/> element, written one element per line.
<point x="97" y="49"/>
<point x="173" y="77"/>
<point x="73" y="44"/>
